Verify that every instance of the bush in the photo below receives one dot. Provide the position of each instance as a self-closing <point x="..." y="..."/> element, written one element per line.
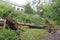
<point x="34" y="34"/>
<point x="8" y="35"/>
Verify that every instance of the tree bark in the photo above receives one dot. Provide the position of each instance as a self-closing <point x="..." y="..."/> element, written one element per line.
<point x="32" y="25"/>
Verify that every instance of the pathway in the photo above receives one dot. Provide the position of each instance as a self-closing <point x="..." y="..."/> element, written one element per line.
<point x="54" y="35"/>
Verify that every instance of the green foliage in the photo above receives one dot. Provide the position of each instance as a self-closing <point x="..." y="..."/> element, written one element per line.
<point x="28" y="9"/>
<point x="52" y="11"/>
<point x="29" y="34"/>
<point x="56" y="8"/>
<point x="28" y="16"/>
<point x="34" y="19"/>
<point x="8" y="35"/>
<point x="34" y="34"/>
<point x="48" y="12"/>
<point x="40" y="10"/>
<point x="5" y="9"/>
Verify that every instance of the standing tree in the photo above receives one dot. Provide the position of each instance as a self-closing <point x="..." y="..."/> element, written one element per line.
<point x="5" y="9"/>
<point x="28" y="9"/>
<point x="56" y="8"/>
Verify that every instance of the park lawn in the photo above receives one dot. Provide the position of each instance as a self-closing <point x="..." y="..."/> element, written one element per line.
<point x="34" y="34"/>
<point x="28" y="34"/>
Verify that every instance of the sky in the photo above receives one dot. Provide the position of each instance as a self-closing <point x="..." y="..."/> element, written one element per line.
<point x="20" y="1"/>
<point x="24" y="1"/>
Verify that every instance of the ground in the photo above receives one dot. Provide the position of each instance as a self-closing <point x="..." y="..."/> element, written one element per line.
<point x="34" y="34"/>
<point x="54" y="35"/>
<point x="28" y="34"/>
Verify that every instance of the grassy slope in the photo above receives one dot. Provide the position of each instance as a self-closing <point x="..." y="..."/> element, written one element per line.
<point x="29" y="34"/>
<point x="33" y="34"/>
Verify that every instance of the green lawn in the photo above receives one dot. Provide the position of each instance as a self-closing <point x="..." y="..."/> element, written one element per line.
<point x="33" y="34"/>
<point x="29" y="34"/>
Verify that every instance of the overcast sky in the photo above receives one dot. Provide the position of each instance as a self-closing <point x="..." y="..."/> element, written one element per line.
<point x="20" y="1"/>
<point x="25" y="1"/>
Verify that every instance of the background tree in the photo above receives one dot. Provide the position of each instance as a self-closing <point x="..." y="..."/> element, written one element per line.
<point x="5" y="9"/>
<point x="28" y="9"/>
<point x="56" y="8"/>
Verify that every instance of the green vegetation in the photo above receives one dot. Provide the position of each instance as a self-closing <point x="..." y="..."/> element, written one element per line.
<point x="50" y="12"/>
<point x="34" y="34"/>
<point x="29" y="34"/>
<point x="28" y="9"/>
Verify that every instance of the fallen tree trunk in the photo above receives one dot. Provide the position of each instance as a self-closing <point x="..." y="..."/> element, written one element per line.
<point x="32" y="25"/>
<point x="14" y="25"/>
<point x="2" y="22"/>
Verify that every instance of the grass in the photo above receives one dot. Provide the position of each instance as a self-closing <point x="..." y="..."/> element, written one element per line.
<point x="33" y="34"/>
<point x="29" y="34"/>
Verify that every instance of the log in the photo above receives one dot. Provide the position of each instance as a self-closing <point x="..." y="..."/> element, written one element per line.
<point x="2" y="22"/>
<point x="32" y="25"/>
<point x="26" y="24"/>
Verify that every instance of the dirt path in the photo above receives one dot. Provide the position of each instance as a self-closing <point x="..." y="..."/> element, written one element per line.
<point x="54" y="35"/>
